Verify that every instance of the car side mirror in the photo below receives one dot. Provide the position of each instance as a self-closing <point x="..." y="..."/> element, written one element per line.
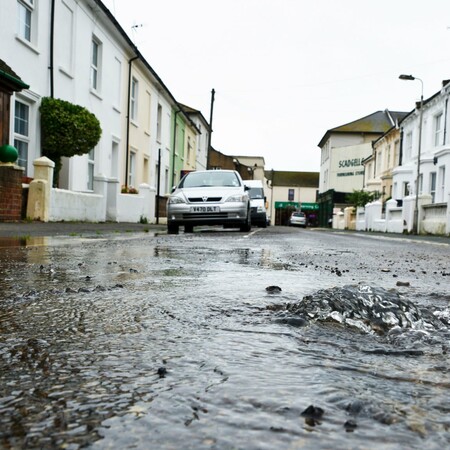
<point x="246" y="188"/>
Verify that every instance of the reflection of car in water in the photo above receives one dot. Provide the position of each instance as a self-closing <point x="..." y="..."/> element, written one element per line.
<point x="257" y="203"/>
<point x="209" y="197"/>
<point x="297" y="219"/>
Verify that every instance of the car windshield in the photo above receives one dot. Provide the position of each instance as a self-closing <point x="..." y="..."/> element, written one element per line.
<point x="256" y="193"/>
<point x="298" y="214"/>
<point x="208" y="179"/>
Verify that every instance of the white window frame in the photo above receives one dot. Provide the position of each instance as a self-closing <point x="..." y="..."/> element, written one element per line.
<point x="441" y="181"/>
<point x="21" y="138"/>
<point x="159" y="123"/>
<point x="379" y="164"/>
<point x="25" y="28"/>
<point x="132" y="169"/>
<point x="433" y="184"/>
<point x="95" y="67"/>
<point x="438" y="130"/>
<point x="408" y="146"/>
<point x="134" y="95"/>
<point x="91" y="169"/>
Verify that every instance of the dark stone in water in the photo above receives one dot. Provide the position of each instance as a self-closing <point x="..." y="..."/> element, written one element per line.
<point x="273" y="289"/>
<point x="313" y="412"/>
<point x="162" y="371"/>
<point x="350" y="425"/>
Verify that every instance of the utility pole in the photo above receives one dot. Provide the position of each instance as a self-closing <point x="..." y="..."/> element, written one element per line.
<point x="213" y="92"/>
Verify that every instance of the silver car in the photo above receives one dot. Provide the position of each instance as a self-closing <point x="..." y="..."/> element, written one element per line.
<point x="297" y="219"/>
<point x="209" y="197"/>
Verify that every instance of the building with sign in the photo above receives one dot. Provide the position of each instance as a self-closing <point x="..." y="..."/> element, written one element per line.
<point x="292" y="191"/>
<point x="343" y="150"/>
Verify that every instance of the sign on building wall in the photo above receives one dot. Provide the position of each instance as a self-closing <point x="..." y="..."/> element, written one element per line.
<point x="347" y="170"/>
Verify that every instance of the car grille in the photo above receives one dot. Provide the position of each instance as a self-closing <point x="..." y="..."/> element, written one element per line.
<point x="219" y="215"/>
<point x="201" y="199"/>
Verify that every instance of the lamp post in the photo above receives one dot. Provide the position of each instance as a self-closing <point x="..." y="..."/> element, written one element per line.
<point x="416" y="207"/>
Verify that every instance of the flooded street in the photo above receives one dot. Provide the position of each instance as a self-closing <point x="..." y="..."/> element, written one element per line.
<point x="279" y="338"/>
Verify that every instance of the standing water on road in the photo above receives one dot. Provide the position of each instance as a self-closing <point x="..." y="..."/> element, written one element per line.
<point x="279" y="339"/>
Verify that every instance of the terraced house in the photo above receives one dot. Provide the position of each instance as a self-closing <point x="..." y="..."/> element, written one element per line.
<point x="75" y="50"/>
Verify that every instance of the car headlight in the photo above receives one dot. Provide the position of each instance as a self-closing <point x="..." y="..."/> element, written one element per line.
<point x="237" y="198"/>
<point x="176" y="200"/>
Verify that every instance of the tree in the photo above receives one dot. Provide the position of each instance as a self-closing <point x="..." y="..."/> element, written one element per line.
<point x="361" y="197"/>
<point x="66" y="130"/>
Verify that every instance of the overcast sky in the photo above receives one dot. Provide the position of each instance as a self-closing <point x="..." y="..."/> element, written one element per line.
<point x="286" y="71"/>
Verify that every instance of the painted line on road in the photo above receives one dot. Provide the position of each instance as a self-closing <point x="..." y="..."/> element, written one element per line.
<point x="388" y="238"/>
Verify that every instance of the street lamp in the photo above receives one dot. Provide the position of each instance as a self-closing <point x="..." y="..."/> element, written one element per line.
<point x="416" y="207"/>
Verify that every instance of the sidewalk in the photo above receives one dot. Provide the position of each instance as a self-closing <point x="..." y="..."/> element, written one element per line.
<point x="31" y="229"/>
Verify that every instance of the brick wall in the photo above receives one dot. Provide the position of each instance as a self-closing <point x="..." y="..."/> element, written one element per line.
<point x="10" y="193"/>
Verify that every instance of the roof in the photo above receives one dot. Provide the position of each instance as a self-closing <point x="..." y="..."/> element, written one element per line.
<point x="376" y="123"/>
<point x="298" y="179"/>
<point x="10" y="78"/>
<point x="194" y="112"/>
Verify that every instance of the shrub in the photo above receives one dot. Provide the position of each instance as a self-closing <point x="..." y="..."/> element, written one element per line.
<point x="66" y="130"/>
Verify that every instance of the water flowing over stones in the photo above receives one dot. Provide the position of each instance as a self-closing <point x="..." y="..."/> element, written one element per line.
<point x="366" y="308"/>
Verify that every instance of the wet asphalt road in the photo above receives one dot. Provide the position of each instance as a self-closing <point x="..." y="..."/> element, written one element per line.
<point x="132" y="338"/>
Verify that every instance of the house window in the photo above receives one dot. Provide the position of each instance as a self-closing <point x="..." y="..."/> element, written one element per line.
<point x="134" y="99"/>
<point x="433" y="186"/>
<point x="132" y="170"/>
<point x="438" y="130"/>
<point x="96" y="50"/>
<point x="21" y="132"/>
<point x="408" y="147"/>
<point x="158" y="123"/>
<point x="24" y="17"/>
<point x="396" y="153"/>
<point x="419" y="189"/>
<point x="189" y="149"/>
<point x="146" y="168"/>
<point x="441" y="183"/>
<point x="388" y="157"/>
<point x="291" y="195"/>
<point x="91" y="164"/>
<point x="379" y="162"/>
<point x="406" y="189"/>
<point x="148" y="122"/>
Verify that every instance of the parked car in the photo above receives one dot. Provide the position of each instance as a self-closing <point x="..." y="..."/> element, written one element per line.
<point x="257" y="202"/>
<point x="297" y="219"/>
<point x="209" y="197"/>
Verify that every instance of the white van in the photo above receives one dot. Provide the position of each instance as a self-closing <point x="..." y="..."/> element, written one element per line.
<point x="257" y="202"/>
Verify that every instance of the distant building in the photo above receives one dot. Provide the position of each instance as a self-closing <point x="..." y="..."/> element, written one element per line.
<point x="292" y="191"/>
<point x="343" y="150"/>
<point x="379" y="165"/>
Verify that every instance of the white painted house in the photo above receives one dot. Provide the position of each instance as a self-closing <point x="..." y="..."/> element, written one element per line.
<point x="75" y="50"/>
<point x="434" y="178"/>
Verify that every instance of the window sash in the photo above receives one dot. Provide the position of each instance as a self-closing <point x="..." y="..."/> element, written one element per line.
<point x="133" y="99"/>
<point x="438" y="130"/>
<point x="94" y="64"/>
<point x="21" y="118"/>
<point x="132" y="169"/>
<point x="24" y="21"/>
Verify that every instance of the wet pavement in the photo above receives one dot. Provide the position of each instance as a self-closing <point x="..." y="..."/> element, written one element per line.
<point x="145" y="340"/>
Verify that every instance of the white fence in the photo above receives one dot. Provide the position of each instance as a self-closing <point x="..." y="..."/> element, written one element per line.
<point x="432" y="218"/>
<point x="106" y="203"/>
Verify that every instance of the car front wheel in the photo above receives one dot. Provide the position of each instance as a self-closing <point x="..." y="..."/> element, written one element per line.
<point x="248" y="224"/>
<point x="172" y="229"/>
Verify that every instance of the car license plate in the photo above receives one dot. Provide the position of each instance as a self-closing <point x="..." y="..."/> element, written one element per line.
<point x="205" y="209"/>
